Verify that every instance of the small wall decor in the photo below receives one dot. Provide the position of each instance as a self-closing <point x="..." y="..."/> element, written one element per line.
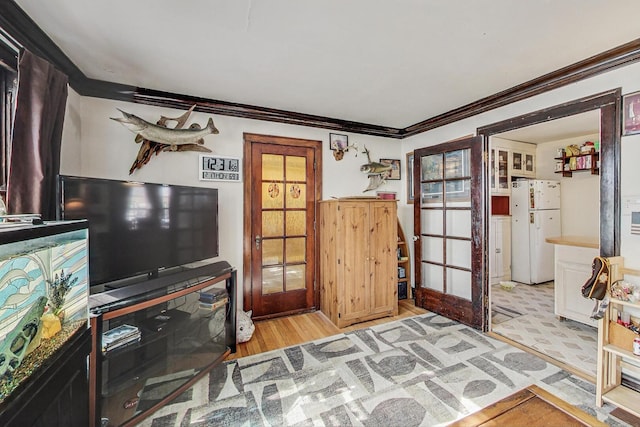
<point x="338" y="142"/>
<point x="410" y="177"/>
<point x="376" y="171"/>
<point x="631" y="114"/>
<point x="340" y="145"/>
<point x="220" y="168"/>
<point x="394" y="173"/>
<point x="158" y="137"/>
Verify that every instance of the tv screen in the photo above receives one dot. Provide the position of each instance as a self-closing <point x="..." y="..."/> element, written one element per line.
<point x="138" y="228"/>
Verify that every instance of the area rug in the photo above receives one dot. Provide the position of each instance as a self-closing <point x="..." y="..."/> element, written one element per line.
<point x="421" y="371"/>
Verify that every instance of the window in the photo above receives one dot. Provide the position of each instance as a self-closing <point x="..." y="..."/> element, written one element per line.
<point x="8" y="87"/>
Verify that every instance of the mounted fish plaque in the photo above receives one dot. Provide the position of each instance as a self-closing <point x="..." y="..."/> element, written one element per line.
<point x="156" y="138"/>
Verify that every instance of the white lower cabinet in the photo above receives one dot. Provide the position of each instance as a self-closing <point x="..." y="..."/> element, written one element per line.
<point x="572" y="269"/>
<point x="500" y="249"/>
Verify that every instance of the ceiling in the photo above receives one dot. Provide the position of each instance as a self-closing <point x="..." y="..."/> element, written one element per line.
<point x="567" y="127"/>
<point x="384" y="63"/>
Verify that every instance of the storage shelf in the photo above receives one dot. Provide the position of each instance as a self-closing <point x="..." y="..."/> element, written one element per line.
<point x="594" y="169"/>
<point x="624" y="398"/>
<point x="619" y="351"/>
<point x="404" y="262"/>
<point x="613" y="359"/>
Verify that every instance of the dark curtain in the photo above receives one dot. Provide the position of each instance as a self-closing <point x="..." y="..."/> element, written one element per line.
<point x="37" y="137"/>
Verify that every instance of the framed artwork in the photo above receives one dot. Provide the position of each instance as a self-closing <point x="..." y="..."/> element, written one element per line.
<point x="395" y="168"/>
<point x="410" y="177"/>
<point x="338" y="141"/>
<point x="631" y="114"/>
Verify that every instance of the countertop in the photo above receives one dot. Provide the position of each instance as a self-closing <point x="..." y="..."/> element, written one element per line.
<point x="579" y="241"/>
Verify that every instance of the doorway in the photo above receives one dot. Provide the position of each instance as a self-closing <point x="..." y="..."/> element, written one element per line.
<point x="281" y="190"/>
<point x="603" y="109"/>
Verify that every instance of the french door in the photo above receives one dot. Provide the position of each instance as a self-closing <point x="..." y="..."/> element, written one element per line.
<point x="282" y="187"/>
<point x="448" y="224"/>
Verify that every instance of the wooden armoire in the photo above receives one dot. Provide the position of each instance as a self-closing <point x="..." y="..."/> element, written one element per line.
<point x="358" y="259"/>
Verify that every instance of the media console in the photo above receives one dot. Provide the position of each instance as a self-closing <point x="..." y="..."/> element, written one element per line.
<point x="166" y="333"/>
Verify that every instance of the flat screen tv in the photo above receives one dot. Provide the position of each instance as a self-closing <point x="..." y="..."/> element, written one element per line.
<point x="140" y="228"/>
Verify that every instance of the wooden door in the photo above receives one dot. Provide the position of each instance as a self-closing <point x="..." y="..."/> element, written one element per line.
<point x="383" y="258"/>
<point x="448" y="221"/>
<point x="282" y="187"/>
<point x="354" y="287"/>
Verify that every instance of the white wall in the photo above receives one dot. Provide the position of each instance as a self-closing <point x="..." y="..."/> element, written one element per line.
<point x="580" y="193"/>
<point x="626" y="78"/>
<point x="95" y="146"/>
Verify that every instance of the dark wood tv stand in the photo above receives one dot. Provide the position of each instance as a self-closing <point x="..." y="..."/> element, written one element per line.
<point x="182" y="334"/>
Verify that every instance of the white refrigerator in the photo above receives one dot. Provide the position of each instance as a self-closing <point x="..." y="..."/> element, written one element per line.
<point x="535" y="215"/>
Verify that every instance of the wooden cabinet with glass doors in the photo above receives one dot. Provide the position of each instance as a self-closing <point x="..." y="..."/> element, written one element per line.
<point x="358" y="259"/>
<point x="499" y="174"/>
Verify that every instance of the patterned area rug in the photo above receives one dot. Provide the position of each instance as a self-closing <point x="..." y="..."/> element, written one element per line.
<point x="420" y="371"/>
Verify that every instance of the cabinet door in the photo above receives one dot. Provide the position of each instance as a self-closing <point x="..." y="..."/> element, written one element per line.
<point x="517" y="163"/>
<point x="505" y="246"/>
<point x="502" y="172"/>
<point x="382" y="256"/>
<point x="530" y="164"/>
<point x="353" y="295"/>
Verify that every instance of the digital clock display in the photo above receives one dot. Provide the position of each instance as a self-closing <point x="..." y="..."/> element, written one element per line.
<point x="220" y="168"/>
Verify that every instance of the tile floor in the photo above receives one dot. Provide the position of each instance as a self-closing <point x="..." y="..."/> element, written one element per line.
<point x="525" y="315"/>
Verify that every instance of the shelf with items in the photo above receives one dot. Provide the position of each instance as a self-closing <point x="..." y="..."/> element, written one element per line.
<point x="590" y="162"/>
<point x="615" y="351"/>
<point x="176" y="327"/>
<point x="404" y="266"/>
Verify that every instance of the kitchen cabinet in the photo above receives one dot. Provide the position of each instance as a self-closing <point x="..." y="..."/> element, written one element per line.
<point x="507" y="162"/>
<point x="358" y="259"/>
<point x="523" y="163"/>
<point x="573" y="257"/>
<point x="499" y="174"/>
<point x="500" y="249"/>
<point x="614" y="352"/>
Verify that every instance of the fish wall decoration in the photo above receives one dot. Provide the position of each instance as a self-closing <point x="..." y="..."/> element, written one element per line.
<point x="156" y="138"/>
<point x="376" y="171"/>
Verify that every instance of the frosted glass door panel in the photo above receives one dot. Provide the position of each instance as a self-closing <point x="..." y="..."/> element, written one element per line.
<point x="431" y="222"/>
<point x="459" y="223"/>
<point x="432" y="277"/>
<point x="459" y="283"/>
<point x="432" y="249"/>
<point x="459" y="253"/>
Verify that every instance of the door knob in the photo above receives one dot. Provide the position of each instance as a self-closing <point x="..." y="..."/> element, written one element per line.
<point x="258" y="240"/>
<point x="415" y="238"/>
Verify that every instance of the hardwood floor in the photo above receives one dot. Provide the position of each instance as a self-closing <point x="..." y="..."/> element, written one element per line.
<point x="282" y="332"/>
<point x="532" y="406"/>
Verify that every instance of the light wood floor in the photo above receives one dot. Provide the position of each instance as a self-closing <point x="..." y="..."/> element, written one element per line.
<point x="282" y="332"/>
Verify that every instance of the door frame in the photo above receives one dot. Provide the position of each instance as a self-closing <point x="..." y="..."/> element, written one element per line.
<point x="609" y="104"/>
<point x="247" y="241"/>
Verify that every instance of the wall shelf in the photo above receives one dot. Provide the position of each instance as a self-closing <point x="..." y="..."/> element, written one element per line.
<point x="586" y="162"/>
